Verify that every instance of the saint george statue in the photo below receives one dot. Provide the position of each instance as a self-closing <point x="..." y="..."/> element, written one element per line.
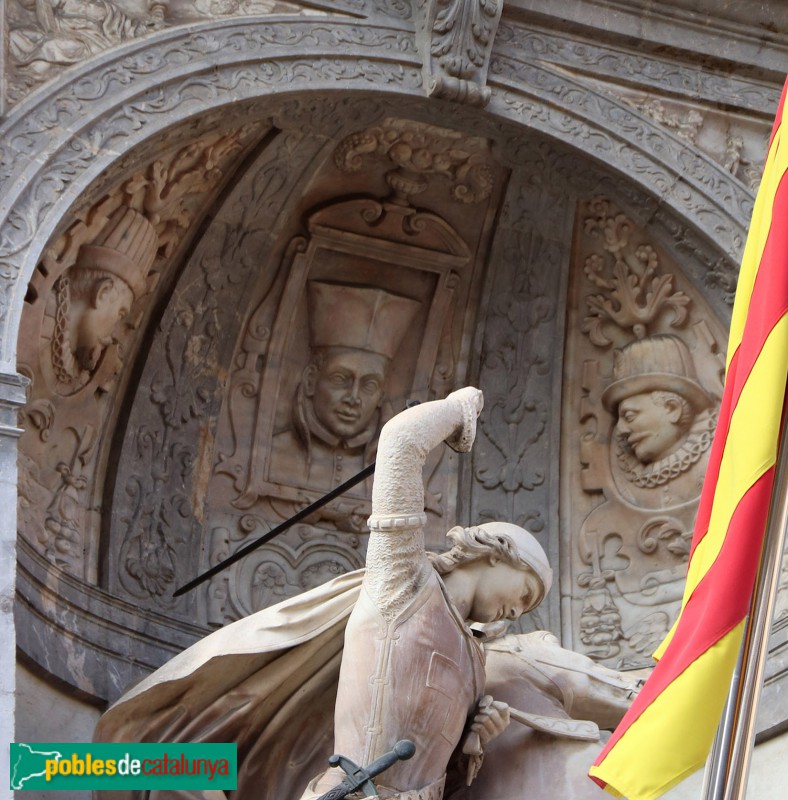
<point x="388" y="652"/>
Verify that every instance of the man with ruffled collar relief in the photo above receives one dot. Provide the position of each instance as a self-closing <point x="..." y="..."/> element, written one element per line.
<point x="665" y="422"/>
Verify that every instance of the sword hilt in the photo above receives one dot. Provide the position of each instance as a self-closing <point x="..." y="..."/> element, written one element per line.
<point x="361" y="777"/>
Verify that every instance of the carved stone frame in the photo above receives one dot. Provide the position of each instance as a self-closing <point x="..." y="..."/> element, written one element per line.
<point x="376" y="231"/>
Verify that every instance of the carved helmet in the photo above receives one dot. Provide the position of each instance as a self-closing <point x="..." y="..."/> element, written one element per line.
<point x="657" y="363"/>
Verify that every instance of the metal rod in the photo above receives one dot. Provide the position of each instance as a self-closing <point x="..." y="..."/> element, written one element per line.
<point x="756" y="637"/>
<point x="714" y="777"/>
<point x="281" y="528"/>
<point x="728" y="777"/>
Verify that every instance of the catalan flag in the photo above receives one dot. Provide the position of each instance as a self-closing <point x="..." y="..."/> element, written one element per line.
<point x="669" y="730"/>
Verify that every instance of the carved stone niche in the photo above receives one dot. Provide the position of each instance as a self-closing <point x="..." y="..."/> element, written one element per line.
<point x="644" y="359"/>
<point x="365" y="315"/>
<point x="83" y="301"/>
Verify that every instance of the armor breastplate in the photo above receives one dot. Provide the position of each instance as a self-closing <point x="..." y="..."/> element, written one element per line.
<point x="417" y="676"/>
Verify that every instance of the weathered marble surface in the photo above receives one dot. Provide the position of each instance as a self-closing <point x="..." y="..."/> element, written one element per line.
<point x="276" y="151"/>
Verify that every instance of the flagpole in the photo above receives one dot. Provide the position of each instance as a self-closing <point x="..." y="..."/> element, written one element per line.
<point x="726" y="778"/>
<point x="716" y="766"/>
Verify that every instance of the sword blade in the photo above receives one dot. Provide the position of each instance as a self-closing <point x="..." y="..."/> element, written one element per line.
<point x="281" y="528"/>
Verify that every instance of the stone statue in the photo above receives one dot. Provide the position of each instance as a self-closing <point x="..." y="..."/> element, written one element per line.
<point x="664" y="425"/>
<point x="98" y="291"/>
<point x="355" y="332"/>
<point x="411" y="666"/>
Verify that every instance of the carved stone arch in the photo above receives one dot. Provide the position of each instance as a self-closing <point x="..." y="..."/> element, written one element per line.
<point x="63" y="147"/>
<point x="58" y="142"/>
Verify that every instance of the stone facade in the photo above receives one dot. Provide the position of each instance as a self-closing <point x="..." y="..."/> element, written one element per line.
<point x="209" y="210"/>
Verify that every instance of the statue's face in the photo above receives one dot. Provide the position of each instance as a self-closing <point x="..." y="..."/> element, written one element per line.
<point x="651" y="428"/>
<point x="503" y="591"/>
<point x="110" y="303"/>
<point x="346" y="390"/>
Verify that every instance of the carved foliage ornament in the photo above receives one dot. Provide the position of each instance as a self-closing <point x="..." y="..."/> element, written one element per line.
<point x="364" y="313"/>
<point x="160" y="503"/>
<point x="633" y="295"/>
<point x="419" y="151"/>
<point x="457" y="38"/>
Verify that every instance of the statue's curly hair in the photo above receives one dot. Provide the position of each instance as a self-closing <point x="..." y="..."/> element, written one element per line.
<point x="475" y="543"/>
<point x="471" y="544"/>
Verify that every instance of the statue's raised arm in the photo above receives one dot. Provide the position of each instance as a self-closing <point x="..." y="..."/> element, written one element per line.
<point x="397" y="565"/>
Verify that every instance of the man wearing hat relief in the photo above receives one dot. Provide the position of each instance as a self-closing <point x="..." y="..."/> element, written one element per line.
<point x="355" y="331"/>
<point x="664" y="423"/>
<point x="98" y="291"/>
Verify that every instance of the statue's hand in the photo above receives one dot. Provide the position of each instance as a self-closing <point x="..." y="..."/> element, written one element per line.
<point x="491" y="720"/>
<point x="470" y="402"/>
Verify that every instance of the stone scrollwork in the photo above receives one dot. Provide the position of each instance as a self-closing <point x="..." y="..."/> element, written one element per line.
<point x="456" y="41"/>
<point x="649" y="354"/>
<point x="161" y="484"/>
<point x="47" y="35"/>
<point x="515" y="418"/>
<point x="510" y="468"/>
<point x="363" y="312"/>
<point x="686" y="123"/>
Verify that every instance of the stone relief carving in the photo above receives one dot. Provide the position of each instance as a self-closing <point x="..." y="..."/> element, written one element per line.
<point x="728" y="142"/>
<point x="47" y="35"/>
<point x="456" y="39"/>
<point x="161" y="485"/>
<point x="418" y="151"/>
<point x="684" y="122"/>
<point x="620" y="67"/>
<point x="364" y="314"/>
<point x="36" y="190"/>
<point x="511" y="464"/>
<point x="355" y="332"/>
<point x="84" y="305"/>
<point x="648" y="413"/>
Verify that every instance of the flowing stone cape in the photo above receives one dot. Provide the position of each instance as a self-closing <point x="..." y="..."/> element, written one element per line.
<point x="267" y="682"/>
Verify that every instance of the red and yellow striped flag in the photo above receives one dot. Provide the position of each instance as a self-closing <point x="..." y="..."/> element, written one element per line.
<point x="669" y="730"/>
